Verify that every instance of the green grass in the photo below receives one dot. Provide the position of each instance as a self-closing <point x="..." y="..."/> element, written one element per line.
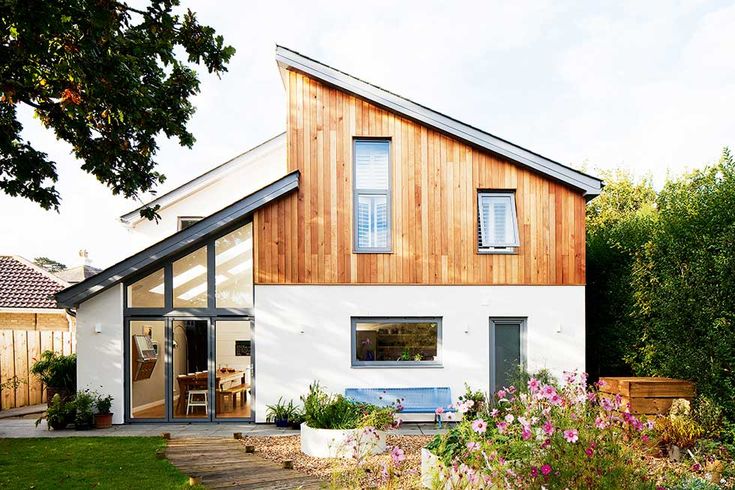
<point x="87" y="462"/>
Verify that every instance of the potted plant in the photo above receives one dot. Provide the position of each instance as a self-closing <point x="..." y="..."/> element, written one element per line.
<point x="58" y="373"/>
<point x="296" y="419"/>
<point x="335" y="427"/>
<point x="103" y="417"/>
<point x="280" y="413"/>
<point x="83" y="405"/>
<point x="59" y="414"/>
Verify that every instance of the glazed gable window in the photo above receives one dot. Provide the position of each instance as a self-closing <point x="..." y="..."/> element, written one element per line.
<point x="396" y="342"/>
<point x="372" y="199"/>
<point x="497" y="222"/>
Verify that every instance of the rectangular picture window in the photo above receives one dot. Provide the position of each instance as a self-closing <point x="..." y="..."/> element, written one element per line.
<point x="372" y="201"/>
<point x="396" y="342"/>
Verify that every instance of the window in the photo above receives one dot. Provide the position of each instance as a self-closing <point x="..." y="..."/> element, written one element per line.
<point x="508" y="347"/>
<point x="187" y="221"/>
<point x="372" y="201"/>
<point x="233" y="259"/>
<point x="396" y="342"/>
<point x="147" y="292"/>
<point x="497" y="222"/>
<point x="190" y="280"/>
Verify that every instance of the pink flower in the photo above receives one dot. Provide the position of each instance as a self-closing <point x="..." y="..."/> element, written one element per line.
<point x="548" y="390"/>
<point x="511" y="389"/>
<point x="473" y="446"/>
<point x="589" y="452"/>
<point x="571" y="435"/>
<point x="548" y="428"/>
<point x="439" y="410"/>
<point x="501" y="394"/>
<point x="555" y="400"/>
<point x="534" y="472"/>
<point x="601" y="383"/>
<point x="533" y="385"/>
<point x="600" y="423"/>
<point x="644" y="438"/>
<point x="501" y="426"/>
<point x="546" y="443"/>
<point x="397" y="455"/>
<point x="494" y="413"/>
<point x="546" y="469"/>
<point x="479" y="426"/>
<point x="526" y="433"/>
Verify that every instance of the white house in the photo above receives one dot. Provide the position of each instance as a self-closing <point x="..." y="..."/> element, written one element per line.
<point x="376" y="243"/>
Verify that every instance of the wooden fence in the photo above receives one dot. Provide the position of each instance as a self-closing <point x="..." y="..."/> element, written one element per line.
<point x="18" y="350"/>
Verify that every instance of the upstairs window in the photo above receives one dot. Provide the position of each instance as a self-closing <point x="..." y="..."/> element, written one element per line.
<point x="372" y="200"/>
<point x="497" y="222"/>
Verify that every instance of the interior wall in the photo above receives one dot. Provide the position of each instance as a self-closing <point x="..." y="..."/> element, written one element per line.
<point x="227" y="333"/>
<point x="149" y="392"/>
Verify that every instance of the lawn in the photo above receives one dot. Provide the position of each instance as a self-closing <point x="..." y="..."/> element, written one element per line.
<point x="87" y="462"/>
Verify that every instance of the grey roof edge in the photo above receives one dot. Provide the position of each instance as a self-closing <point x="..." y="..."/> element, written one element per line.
<point x="186" y="188"/>
<point x="589" y="185"/>
<point x="78" y="293"/>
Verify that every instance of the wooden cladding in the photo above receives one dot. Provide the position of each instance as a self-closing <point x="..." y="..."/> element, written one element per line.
<point x="307" y="236"/>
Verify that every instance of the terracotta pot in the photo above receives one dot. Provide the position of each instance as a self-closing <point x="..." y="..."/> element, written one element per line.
<point x="103" y="420"/>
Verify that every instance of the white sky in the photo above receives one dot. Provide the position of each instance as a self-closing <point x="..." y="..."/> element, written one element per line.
<point x="644" y="85"/>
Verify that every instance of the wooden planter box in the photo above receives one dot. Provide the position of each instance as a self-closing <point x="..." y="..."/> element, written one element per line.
<point x="648" y="396"/>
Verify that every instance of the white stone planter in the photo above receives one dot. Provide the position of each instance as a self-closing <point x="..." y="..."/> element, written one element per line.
<point x="332" y="443"/>
<point x="430" y="468"/>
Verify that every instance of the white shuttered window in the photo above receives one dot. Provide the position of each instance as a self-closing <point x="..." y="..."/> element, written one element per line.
<point x="372" y="201"/>
<point x="497" y="221"/>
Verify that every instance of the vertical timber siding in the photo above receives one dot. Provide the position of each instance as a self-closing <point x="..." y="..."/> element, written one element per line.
<point x="307" y="237"/>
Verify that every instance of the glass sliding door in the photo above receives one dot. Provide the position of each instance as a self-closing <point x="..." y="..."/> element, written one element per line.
<point x="508" y="352"/>
<point x="233" y="369"/>
<point x="190" y="396"/>
<point x="147" y="378"/>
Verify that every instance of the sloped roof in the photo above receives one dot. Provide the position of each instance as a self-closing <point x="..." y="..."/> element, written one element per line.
<point x="288" y="59"/>
<point x="25" y="285"/>
<point x="188" y="237"/>
<point x="205" y="179"/>
<point x="77" y="274"/>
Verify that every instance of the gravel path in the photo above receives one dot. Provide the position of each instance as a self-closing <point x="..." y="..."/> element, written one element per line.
<point x="345" y="473"/>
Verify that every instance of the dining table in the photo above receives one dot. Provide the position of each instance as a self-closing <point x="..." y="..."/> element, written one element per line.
<point x="199" y="381"/>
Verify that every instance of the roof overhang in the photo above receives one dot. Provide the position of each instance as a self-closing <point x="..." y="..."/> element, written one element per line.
<point x="207" y="178"/>
<point x="200" y="231"/>
<point x="287" y="59"/>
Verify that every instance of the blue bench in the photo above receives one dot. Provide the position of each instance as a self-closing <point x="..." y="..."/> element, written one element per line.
<point x="412" y="400"/>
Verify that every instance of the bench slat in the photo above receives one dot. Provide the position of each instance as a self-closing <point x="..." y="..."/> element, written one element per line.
<point x="414" y="400"/>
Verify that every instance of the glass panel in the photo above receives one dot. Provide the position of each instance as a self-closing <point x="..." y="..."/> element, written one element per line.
<point x="233" y="349"/>
<point x="190" y="280"/>
<point x="371" y="164"/>
<point x="385" y="341"/>
<point x="496" y="220"/>
<point x="372" y="221"/>
<point x="507" y="353"/>
<point x="234" y="269"/>
<point x="147" y="369"/>
<point x="147" y="292"/>
<point x="190" y="369"/>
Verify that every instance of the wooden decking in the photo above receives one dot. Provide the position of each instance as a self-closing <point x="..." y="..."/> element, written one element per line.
<point x="223" y="463"/>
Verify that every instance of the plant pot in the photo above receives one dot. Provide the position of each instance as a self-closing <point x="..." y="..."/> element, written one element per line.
<point x="294" y="425"/>
<point x="282" y="423"/>
<point x="58" y="424"/>
<point x="431" y="469"/>
<point x="334" y="443"/>
<point x="103" y="420"/>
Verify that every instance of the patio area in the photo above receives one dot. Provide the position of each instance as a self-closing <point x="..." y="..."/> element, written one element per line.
<point x="25" y="427"/>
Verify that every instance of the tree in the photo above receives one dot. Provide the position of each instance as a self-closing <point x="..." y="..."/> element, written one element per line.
<point x="106" y="78"/>
<point x="619" y="222"/>
<point x="50" y="265"/>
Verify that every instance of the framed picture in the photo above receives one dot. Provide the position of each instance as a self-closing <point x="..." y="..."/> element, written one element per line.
<point x="242" y="348"/>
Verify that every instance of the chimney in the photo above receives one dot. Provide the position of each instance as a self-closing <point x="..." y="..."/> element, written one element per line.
<point x="84" y="258"/>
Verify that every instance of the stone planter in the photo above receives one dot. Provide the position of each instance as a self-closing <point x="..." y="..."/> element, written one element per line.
<point x="333" y="443"/>
<point x="430" y="468"/>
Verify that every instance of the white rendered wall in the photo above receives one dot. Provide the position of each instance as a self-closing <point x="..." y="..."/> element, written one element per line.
<point x="100" y="355"/>
<point x="303" y="333"/>
<point x="242" y="180"/>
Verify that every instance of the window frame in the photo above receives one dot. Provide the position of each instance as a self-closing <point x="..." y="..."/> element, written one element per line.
<point x="356" y="193"/>
<point x="511" y="247"/>
<point x="355" y="363"/>
<point x="522" y="323"/>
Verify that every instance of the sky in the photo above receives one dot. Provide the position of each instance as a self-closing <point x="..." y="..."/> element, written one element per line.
<point x="647" y="86"/>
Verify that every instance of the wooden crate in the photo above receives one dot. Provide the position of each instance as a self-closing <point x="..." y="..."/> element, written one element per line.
<point x="648" y="396"/>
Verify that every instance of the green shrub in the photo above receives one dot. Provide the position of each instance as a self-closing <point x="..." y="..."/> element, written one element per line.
<point x="709" y="416"/>
<point x="280" y="411"/>
<point x="83" y="405"/>
<point x="56" y="370"/>
<point x="325" y="411"/>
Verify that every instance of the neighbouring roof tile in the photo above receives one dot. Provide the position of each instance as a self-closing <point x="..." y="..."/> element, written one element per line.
<point x="24" y="285"/>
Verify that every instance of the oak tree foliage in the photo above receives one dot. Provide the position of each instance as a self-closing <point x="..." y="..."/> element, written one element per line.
<point x="106" y="77"/>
